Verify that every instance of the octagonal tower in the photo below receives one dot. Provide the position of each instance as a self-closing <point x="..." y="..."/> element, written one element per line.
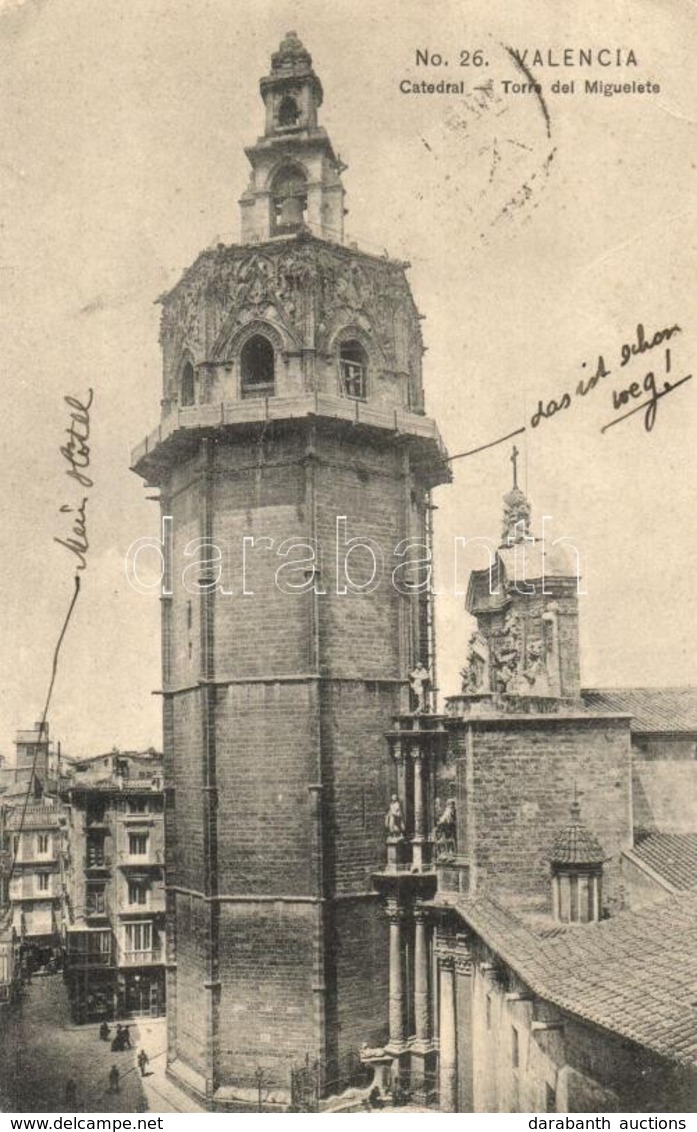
<point x="294" y="464"/>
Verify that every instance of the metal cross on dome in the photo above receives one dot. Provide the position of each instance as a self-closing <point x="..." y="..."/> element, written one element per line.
<point x="514" y="460"/>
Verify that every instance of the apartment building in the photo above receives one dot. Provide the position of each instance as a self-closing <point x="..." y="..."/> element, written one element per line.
<point x="115" y="935"/>
<point x="35" y="838"/>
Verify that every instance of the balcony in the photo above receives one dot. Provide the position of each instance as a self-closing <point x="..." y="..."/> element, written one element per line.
<point x="34" y="858"/>
<point x="179" y="430"/>
<point x="95" y="821"/>
<point x="84" y="959"/>
<point x="153" y="859"/>
<point x="97" y="910"/>
<point x="148" y="958"/>
<point x="32" y="892"/>
<point x="153" y="907"/>
<point x="97" y="862"/>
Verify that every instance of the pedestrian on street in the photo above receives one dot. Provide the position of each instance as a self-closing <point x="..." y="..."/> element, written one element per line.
<point x="143" y="1062"/>
<point x="114" y="1080"/>
<point x="70" y="1095"/>
<point x="126" y="1035"/>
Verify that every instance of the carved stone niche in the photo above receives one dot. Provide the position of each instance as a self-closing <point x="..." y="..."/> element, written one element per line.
<point x="475" y="674"/>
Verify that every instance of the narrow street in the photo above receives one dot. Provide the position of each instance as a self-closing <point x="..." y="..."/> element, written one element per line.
<point x="41" y="1050"/>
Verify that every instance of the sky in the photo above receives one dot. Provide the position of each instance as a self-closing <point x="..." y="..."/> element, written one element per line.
<point x="541" y="231"/>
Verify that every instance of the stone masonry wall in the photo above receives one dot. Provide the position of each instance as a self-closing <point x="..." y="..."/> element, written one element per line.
<point x="519" y="776"/>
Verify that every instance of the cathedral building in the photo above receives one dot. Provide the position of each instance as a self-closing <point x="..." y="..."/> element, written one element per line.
<point x="541" y="888"/>
<point x="465" y="906"/>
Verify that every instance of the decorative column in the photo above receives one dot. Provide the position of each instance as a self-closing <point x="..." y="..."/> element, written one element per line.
<point x="419" y="812"/>
<point x="465" y="1023"/>
<point x="397" y="1033"/>
<point x="398" y="753"/>
<point x="447" y="1036"/>
<point x="422" y="1012"/>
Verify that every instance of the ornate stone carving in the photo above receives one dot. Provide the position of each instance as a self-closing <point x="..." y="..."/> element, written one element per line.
<point x="516" y="517"/>
<point x="463" y="963"/>
<point x="535" y="670"/>
<point x="507" y="653"/>
<point x="395" y="914"/>
<point x="475" y="674"/>
<point x="241" y="332"/>
<point x="306" y="286"/>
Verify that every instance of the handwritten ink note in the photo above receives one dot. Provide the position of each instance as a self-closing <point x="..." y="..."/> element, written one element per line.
<point x="76" y="453"/>
<point x="648" y="390"/>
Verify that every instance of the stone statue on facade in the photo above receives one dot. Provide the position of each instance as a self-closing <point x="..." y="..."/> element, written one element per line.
<point x="394" y="818"/>
<point x="419" y="682"/>
<point x="507" y="654"/>
<point x="475" y="674"/>
<point x="516" y="517"/>
<point x="446" y="830"/>
<point x="535" y="671"/>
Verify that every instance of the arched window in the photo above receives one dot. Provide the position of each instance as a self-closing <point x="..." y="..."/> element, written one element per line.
<point x="288" y="112"/>
<point x="257" y="365"/>
<point x="353" y="370"/>
<point x="186" y="396"/>
<point x="289" y="199"/>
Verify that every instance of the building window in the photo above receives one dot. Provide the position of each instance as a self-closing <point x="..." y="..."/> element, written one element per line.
<point x="353" y="370"/>
<point x="515" y="1048"/>
<point x="288" y="200"/>
<point x="138" y="805"/>
<point x="257" y="365"/>
<point x="187" y="389"/>
<point x="43" y="844"/>
<point x="43" y="882"/>
<point x="137" y="893"/>
<point x="95" y="853"/>
<point x="288" y="112"/>
<point x="138" y="937"/>
<point x="96" y="901"/>
<point x="138" y="844"/>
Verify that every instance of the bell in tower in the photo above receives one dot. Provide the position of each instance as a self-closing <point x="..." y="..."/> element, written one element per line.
<point x="296" y="176"/>
<point x="289" y="200"/>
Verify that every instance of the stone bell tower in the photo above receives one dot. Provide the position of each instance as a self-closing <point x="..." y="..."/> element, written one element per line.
<point x="294" y="464"/>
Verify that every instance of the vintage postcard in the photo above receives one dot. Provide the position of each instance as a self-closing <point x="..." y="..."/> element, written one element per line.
<point x="348" y="699"/>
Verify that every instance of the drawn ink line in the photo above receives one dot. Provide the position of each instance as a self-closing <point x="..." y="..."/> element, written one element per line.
<point x="482" y="447"/>
<point x="645" y="404"/>
<point x="42" y="725"/>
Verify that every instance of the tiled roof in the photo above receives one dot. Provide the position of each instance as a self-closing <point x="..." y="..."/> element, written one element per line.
<point x="672" y="855"/>
<point x="634" y="975"/>
<point x="576" y="845"/>
<point x="655" y="710"/>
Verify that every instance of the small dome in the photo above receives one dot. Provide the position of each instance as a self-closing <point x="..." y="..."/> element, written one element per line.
<point x="576" y="845"/>
<point x="291" y="49"/>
